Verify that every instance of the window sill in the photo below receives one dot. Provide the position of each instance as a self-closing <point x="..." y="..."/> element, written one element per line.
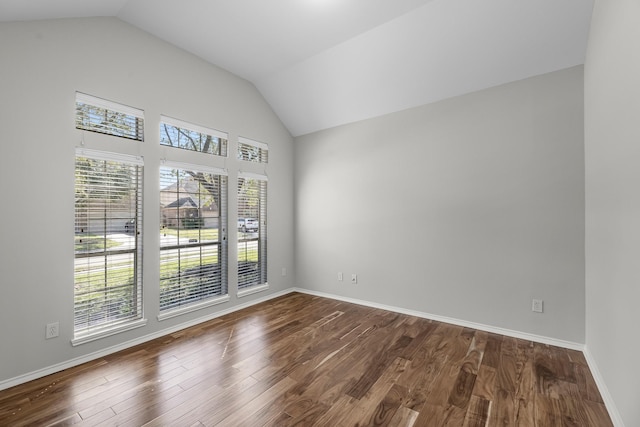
<point x="252" y="290"/>
<point x="108" y="332"/>
<point x="193" y="307"/>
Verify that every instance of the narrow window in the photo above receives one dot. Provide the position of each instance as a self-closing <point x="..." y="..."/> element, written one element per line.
<point x="193" y="243"/>
<point x="108" y="244"/>
<point x="252" y="233"/>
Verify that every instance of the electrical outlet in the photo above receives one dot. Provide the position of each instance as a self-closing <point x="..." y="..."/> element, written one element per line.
<point x="53" y="330"/>
<point x="284" y="271"/>
<point x="354" y="279"/>
<point x="340" y="276"/>
<point x="536" y="306"/>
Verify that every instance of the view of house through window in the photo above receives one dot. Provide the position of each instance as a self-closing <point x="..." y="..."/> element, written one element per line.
<point x="193" y="245"/>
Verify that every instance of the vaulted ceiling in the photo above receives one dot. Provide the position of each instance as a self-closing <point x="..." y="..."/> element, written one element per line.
<point x="323" y="63"/>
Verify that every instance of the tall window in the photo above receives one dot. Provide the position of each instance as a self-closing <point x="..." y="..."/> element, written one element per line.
<point x="188" y="136"/>
<point x="99" y="115"/>
<point x="252" y="151"/>
<point x="193" y="219"/>
<point x="252" y="232"/>
<point x="108" y="245"/>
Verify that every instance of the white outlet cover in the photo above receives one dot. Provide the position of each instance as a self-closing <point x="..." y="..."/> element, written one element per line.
<point x="53" y="330"/>
<point x="537" y="306"/>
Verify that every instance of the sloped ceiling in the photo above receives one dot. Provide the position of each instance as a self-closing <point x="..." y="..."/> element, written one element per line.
<point x="323" y="63"/>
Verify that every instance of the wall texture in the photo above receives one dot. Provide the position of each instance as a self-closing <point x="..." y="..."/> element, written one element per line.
<point x="467" y="208"/>
<point x="43" y="64"/>
<point x="612" y="152"/>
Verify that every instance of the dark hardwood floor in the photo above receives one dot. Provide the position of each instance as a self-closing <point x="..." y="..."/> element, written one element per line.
<point x="304" y="360"/>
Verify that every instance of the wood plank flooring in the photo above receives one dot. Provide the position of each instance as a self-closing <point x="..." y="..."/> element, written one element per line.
<point x="309" y="361"/>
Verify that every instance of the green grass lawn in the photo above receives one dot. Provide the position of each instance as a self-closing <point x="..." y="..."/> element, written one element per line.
<point x="248" y="255"/>
<point x="198" y="233"/>
<point x="92" y="243"/>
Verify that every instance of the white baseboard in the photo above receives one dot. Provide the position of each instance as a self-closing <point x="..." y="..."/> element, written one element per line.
<point x="494" y="329"/>
<point x="604" y="391"/>
<point x="21" y="379"/>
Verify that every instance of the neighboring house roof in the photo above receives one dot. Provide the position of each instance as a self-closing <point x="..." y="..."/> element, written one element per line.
<point x="183" y="203"/>
<point x="189" y="203"/>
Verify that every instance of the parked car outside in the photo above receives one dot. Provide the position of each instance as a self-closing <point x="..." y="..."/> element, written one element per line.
<point x="247" y="225"/>
<point x="130" y="225"/>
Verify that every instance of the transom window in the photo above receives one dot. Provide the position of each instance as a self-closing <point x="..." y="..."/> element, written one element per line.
<point x="102" y="116"/>
<point x="188" y="136"/>
<point x="252" y="151"/>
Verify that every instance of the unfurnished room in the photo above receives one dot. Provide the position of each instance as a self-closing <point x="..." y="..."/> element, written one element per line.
<point x="319" y="212"/>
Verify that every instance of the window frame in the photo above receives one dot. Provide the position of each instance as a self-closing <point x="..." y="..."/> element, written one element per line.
<point x="221" y="243"/>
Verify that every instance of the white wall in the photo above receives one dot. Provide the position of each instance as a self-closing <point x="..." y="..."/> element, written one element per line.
<point x="43" y="64"/>
<point x="612" y="152"/>
<point x="467" y="208"/>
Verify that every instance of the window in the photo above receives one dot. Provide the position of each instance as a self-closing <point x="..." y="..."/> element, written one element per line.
<point x="108" y="244"/>
<point x="99" y="115"/>
<point x="252" y="233"/>
<point x="179" y="134"/>
<point x="193" y="243"/>
<point x="252" y="151"/>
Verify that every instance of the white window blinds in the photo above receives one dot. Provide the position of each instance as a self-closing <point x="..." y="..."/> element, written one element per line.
<point x="108" y="242"/>
<point x="193" y="242"/>
<point x="252" y="230"/>
<point x="252" y="151"/>
<point x="99" y="115"/>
